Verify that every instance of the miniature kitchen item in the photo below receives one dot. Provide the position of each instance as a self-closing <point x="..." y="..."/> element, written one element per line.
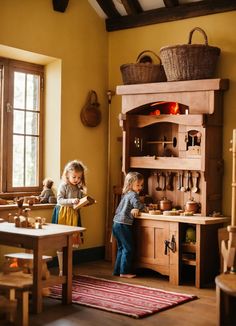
<point x="3" y="201"/>
<point x="158" y="188"/>
<point x="190" y="235"/>
<point x="186" y="214"/>
<point x="154" y="212"/>
<point x="191" y="206"/>
<point x="171" y="213"/>
<point x="165" y="204"/>
<point x="195" y="176"/>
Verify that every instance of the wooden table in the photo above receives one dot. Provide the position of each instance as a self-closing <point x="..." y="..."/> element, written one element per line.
<point x="52" y="236"/>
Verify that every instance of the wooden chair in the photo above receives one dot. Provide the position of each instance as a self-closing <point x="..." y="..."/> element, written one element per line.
<point x="16" y="286"/>
<point x="226" y="299"/>
<point x="25" y="261"/>
<point x="7" y="308"/>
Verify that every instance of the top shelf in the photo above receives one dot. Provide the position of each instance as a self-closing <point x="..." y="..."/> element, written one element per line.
<point x="200" y="96"/>
<point x="178" y="86"/>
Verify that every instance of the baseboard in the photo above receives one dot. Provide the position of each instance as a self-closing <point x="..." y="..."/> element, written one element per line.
<point x="83" y="256"/>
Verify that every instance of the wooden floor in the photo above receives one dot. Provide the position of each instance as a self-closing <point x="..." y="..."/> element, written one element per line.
<point x="200" y="312"/>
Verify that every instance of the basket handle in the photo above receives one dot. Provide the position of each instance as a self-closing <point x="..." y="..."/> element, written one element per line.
<point x="93" y="98"/>
<point x="199" y="30"/>
<point x="147" y="51"/>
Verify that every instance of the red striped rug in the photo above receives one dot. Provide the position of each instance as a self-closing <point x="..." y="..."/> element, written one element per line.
<point x="127" y="299"/>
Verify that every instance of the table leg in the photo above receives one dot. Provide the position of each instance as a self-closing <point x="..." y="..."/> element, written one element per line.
<point x="22" y="308"/>
<point x="67" y="271"/>
<point x="37" y="280"/>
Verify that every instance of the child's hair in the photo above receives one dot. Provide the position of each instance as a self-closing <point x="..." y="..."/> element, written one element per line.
<point x="48" y="182"/>
<point x="130" y="178"/>
<point x="76" y="166"/>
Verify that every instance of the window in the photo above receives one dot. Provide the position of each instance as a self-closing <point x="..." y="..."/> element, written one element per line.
<point x="21" y="94"/>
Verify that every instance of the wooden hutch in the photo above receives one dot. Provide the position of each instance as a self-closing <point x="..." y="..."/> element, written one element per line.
<point x="172" y="134"/>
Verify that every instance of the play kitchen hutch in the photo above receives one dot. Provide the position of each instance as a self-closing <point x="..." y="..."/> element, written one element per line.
<point x="172" y="134"/>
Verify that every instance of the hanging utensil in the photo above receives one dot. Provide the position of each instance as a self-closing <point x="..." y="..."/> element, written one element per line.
<point x="169" y="181"/>
<point x="158" y="188"/>
<point x="179" y="181"/>
<point x="163" y="181"/>
<point x="188" y="181"/>
<point x="195" y="176"/>
<point x="182" y="182"/>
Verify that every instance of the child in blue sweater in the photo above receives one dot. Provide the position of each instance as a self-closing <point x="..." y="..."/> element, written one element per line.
<point x="122" y="229"/>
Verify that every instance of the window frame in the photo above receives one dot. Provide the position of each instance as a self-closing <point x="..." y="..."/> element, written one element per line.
<point x="6" y="125"/>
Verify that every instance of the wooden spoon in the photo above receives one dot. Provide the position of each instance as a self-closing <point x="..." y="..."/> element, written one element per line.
<point x="182" y="182"/>
<point x="169" y="181"/>
<point x="188" y="181"/>
<point x="158" y="188"/>
<point x="163" y="181"/>
<point x="195" y="181"/>
<point x="179" y="181"/>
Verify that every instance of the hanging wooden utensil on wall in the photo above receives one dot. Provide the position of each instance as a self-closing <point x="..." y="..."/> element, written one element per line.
<point x="90" y="114"/>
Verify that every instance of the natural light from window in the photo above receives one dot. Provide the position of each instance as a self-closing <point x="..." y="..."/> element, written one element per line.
<point x="26" y="104"/>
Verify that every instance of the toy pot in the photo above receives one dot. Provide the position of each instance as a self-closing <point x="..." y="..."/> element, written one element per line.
<point x="165" y="204"/>
<point x="191" y="206"/>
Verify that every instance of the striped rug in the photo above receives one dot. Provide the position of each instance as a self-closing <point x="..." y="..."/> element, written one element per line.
<point x="127" y="299"/>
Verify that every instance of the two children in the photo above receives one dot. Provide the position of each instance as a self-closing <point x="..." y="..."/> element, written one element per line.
<point x="73" y="188"/>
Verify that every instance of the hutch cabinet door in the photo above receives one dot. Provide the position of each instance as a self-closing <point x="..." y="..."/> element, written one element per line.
<point x="150" y="239"/>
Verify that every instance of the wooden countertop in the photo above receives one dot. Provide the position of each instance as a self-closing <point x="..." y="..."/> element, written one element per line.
<point x="195" y="219"/>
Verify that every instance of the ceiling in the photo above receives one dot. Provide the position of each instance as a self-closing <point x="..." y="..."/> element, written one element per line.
<point x="123" y="14"/>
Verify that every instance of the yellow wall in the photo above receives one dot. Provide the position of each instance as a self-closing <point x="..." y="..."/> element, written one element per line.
<point x="124" y="47"/>
<point x="74" y="46"/>
<point x="78" y="54"/>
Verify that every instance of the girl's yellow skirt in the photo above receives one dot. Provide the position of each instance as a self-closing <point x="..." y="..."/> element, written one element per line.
<point x="68" y="216"/>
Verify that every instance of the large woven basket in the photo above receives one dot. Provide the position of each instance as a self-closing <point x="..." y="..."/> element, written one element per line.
<point x="144" y="70"/>
<point x="190" y="61"/>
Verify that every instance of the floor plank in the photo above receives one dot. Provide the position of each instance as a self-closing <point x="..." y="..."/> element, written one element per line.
<point x="200" y="312"/>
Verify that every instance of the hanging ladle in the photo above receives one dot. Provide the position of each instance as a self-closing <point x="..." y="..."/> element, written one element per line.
<point x="182" y="182"/>
<point x="158" y="188"/>
<point x="195" y="180"/>
<point x="179" y="181"/>
<point x="188" y="181"/>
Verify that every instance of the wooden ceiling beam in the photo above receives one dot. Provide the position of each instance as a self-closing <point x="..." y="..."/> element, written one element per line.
<point x="162" y="15"/>
<point x="109" y="8"/>
<point x="132" y="7"/>
<point x="60" y="5"/>
<point x="171" y="3"/>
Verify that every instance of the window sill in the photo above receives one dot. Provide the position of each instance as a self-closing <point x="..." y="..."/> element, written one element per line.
<point x="34" y="207"/>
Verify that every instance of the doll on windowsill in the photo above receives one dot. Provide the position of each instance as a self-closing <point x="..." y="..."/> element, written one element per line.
<point x="47" y="195"/>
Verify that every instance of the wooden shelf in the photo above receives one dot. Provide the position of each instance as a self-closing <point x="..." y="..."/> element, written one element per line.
<point x="140" y="121"/>
<point x="188" y="247"/>
<point x="166" y="163"/>
<point x="190" y="262"/>
<point x="173" y="87"/>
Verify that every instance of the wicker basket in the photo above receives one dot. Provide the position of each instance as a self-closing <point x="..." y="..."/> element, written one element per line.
<point x="143" y="71"/>
<point x="190" y="61"/>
